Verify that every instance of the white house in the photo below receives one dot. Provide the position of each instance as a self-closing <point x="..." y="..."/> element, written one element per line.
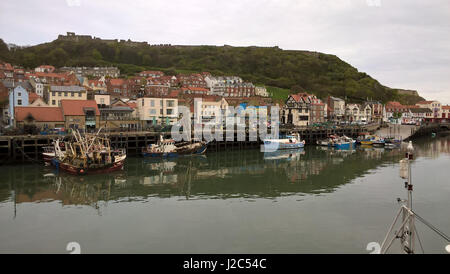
<point x="261" y="91"/>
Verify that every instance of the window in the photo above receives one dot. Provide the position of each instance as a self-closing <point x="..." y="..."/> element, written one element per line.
<point x="19" y="94"/>
<point x="79" y="94"/>
<point x="170" y="103"/>
<point x="102" y="100"/>
<point x="59" y="93"/>
<point x="65" y="93"/>
<point x="72" y="94"/>
<point x="153" y="111"/>
<point x="169" y="111"/>
<point x="161" y="111"/>
<point x="19" y="102"/>
<point x="53" y="102"/>
<point x="143" y="102"/>
<point x="53" y="93"/>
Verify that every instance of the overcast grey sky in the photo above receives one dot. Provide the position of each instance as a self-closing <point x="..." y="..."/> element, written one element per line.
<point x="401" y="43"/>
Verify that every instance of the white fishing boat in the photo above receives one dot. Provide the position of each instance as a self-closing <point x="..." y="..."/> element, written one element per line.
<point x="289" y="142"/>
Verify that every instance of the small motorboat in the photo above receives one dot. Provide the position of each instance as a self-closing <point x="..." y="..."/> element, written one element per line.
<point x="288" y="142"/>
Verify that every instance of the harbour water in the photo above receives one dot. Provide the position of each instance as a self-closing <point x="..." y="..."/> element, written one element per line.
<point x="316" y="200"/>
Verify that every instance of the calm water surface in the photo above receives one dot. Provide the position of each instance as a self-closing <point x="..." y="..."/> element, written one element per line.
<point x="311" y="201"/>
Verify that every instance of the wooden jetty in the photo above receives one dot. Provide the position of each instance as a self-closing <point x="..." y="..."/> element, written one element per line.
<point x="28" y="148"/>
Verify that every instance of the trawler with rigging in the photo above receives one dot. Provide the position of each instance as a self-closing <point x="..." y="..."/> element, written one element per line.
<point x="86" y="154"/>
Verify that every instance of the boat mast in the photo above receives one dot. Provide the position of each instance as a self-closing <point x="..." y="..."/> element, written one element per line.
<point x="407" y="231"/>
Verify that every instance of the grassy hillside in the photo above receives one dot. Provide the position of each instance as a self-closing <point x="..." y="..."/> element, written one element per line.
<point x="318" y="73"/>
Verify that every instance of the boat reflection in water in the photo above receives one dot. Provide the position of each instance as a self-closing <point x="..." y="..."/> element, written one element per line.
<point x="244" y="174"/>
<point x="284" y="155"/>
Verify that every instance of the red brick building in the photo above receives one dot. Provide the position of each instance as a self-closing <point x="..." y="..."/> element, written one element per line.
<point x="117" y="87"/>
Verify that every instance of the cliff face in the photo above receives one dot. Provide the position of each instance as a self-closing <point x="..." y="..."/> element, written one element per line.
<point x="407" y="92"/>
<point x="318" y="73"/>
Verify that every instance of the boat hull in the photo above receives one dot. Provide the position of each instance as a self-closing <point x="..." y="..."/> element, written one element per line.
<point x="367" y="143"/>
<point x="84" y="171"/>
<point x="342" y="146"/>
<point x="378" y="144"/>
<point x="268" y="147"/>
<point x="182" y="152"/>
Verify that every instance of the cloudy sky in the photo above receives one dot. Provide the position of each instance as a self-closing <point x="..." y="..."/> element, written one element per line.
<point x="401" y="43"/>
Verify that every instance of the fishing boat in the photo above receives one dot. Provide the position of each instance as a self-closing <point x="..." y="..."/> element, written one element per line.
<point x="87" y="154"/>
<point x="344" y="142"/>
<point x="288" y="142"/>
<point x="378" y="142"/>
<point x="166" y="148"/>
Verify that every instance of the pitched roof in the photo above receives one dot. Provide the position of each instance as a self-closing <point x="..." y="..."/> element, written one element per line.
<point x="77" y="107"/>
<point x="117" y="81"/>
<point x="40" y="114"/>
<point x="420" y="110"/>
<point x="32" y="97"/>
<point x="132" y="105"/>
<point x="446" y="107"/>
<point x="174" y="93"/>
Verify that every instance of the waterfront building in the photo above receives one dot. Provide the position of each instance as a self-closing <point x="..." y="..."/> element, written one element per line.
<point x="80" y="114"/>
<point x="377" y="111"/>
<point x="336" y="109"/>
<point x="435" y="107"/>
<point x="358" y="113"/>
<point x="296" y="111"/>
<point x="352" y="112"/>
<point x="41" y="117"/>
<point x="418" y="115"/>
<point x="446" y="113"/>
<point x="118" y="115"/>
<point x="157" y="110"/>
<point x="211" y="110"/>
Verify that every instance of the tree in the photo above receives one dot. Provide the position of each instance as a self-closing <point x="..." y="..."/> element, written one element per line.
<point x="96" y="54"/>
